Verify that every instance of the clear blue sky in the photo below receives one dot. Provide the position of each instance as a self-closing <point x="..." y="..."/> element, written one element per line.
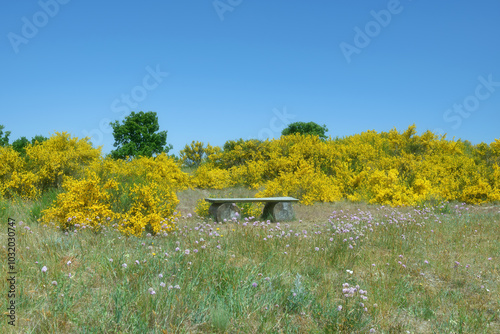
<point x="245" y="69"/>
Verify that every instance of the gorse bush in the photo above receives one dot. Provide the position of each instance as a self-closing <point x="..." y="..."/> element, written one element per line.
<point x="135" y="196"/>
<point x="44" y="165"/>
<point x="391" y="168"/>
<point x="139" y="194"/>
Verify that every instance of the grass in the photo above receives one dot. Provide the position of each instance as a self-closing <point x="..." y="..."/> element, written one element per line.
<point x="423" y="269"/>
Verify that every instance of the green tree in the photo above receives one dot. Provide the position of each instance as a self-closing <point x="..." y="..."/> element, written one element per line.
<point x="139" y="135"/>
<point x="19" y="145"/>
<point x="4" y="138"/>
<point x="310" y="128"/>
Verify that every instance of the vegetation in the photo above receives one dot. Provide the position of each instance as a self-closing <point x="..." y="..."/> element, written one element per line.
<point x="19" y="145"/>
<point x="346" y="268"/>
<point x="138" y="136"/>
<point x="389" y="168"/>
<point x="196" y="153"/>
<point x="396" y="232"/>
<point x="303" y="128"/>
<point x="4" y="137"/>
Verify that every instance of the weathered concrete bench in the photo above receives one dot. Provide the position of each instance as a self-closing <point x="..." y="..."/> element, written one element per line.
<point x="276" y="208"/>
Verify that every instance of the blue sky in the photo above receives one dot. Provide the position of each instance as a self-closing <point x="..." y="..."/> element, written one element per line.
<point x="220" y="70"/>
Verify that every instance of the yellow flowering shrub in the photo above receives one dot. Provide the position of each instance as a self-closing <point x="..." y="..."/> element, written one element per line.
<point x="61" y="155"/>
<point x="251" y="209"/>
<point x="135" y="196"/>
<point x="202" y="208"/>
<point x="305" y="183"/>
<point x="393" y="168"/>
<point x="209" y="177"/>
<point x="152" y="210"/>
<point x="12" y="166"/>
<point x="85" y="202"/>
<point x="196" y="153"/>
<point x="23" y="184"/>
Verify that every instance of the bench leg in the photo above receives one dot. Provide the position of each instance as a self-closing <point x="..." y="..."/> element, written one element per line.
<point x="221" y="211"/>
<point x="279" y="211"/>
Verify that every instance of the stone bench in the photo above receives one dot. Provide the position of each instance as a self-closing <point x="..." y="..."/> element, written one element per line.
<point x="276" y="208"/>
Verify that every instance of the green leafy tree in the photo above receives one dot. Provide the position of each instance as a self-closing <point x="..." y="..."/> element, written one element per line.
<point x="19" y="145"/>
<point x="139" y="135"/>
<point x="310" y="128"/>
<point x="4" y="138"/>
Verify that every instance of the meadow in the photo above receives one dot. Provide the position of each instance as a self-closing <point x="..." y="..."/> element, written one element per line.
<point x="339" y="267"/>
<point x="394" y="233"/>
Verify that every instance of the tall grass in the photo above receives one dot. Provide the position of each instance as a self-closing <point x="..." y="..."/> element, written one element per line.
<point x="347" y="268"/>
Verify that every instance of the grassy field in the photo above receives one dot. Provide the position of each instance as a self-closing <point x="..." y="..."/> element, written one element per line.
<point x="342" y="267"/>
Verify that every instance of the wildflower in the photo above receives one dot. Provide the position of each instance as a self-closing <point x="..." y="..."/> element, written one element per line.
<point x="177" y="287"/>
<point x="68" y="263"/>
<point x="426" y="262"/>
<point x="162" y="284"/>
<point x="44" y="269"/>
<point x="186" y="252"/>
<point x="254" y="284"/>
<point x="316" y="249"/>
<point x="124" y="265"/>
<point x="339" y="308"/>
<point x="54" y="283"/>
<point x="137" y="262"/>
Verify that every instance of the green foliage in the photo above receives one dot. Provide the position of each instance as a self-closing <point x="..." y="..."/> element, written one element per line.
<point x="19" y="145"/>
<point x="4" y="138"/>
<point x="310" y="128"/>
<point x="139" y="135"/>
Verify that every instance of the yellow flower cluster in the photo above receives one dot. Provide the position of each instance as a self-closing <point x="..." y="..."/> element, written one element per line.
<point x="45" y="165"/>
<point x="394" y="168"/>
<point x="135" y="196"/>
<point x="202" y="208"/>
